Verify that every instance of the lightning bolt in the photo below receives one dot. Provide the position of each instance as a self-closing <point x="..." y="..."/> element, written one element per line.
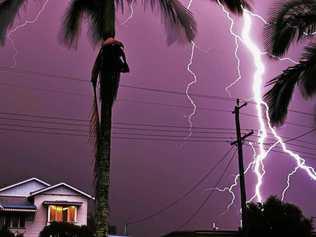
<point x="131" y="7"/>
<point x="257" y="85"/>
<point x="193" y="82"/>
<point x="237" y="38"/>
<point x="18" y="27"/>
<point x="288" y="181"/>
<point x="230" y="188"/>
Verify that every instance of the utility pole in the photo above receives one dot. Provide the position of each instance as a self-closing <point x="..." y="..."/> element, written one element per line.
<point x="239" y="143"/>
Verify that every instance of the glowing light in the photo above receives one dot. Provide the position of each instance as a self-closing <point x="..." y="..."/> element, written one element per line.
<point x="27" y="22"/>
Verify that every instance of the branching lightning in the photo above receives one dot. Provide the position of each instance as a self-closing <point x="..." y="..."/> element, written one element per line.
<point x="237" y="39"/>
<point x="18" y="27"/>
<point x="261" y="107"/>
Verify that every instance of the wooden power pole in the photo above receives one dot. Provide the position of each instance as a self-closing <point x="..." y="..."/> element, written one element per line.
<point x="239" y="143"/>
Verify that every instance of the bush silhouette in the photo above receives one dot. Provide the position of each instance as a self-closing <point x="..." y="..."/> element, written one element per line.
<point x="275" y="218"/>
<point x="56" y="229"/>
<point x="4" y="232"/>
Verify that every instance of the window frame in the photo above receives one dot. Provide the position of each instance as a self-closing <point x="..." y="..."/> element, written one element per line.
<point x="49" y="219"/>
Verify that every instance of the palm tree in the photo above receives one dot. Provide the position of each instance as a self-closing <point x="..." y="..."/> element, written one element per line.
<point x="109" y="63"/>
<point x="294" y="20"/>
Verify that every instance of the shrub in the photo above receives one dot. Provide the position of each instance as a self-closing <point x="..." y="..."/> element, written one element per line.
<point x="65" y="230"/>
<point x="4" y="232"/>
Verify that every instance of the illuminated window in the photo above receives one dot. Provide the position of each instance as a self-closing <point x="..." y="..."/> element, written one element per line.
<point x="62" y="214"/>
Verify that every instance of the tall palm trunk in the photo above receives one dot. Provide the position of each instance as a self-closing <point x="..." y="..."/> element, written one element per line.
<point x="103" y="146"/>
<point x="102" y="167"/>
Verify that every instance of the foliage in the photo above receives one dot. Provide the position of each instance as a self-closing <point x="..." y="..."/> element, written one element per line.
<point x="294" y="20"/>
<point x="4" y="232"/>
<point x="65" y="230"/>
<point x="275" y="218"/>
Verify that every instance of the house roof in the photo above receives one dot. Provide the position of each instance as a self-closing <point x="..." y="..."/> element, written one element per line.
<point x="24" y="182"/>
<point x="41" y="191"/>
<point x="16" y="204"/>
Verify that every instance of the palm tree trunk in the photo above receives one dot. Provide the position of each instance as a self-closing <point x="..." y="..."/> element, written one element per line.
<point x="102" y="167"/>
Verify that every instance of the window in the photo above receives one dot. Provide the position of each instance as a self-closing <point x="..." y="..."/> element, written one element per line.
<point x="62" y="214"/>
<point x="2" y="221"/>
<point x="13" y="221"/>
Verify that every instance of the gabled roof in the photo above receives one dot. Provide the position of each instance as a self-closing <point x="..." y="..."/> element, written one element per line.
<point x="24" y="182"/>
<point x="60" y="185"/>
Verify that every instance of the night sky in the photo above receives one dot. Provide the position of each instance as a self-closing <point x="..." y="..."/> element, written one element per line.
<point x="44" y="117"/>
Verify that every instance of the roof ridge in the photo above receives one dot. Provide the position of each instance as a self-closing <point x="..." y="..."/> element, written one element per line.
<point x="60" y="184"/>
<point x="23" y="182"/>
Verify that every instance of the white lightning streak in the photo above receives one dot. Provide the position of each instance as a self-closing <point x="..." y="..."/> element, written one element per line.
<point x="236" y="38"/>
<point x="257" y="85"/>
<point x="258" y="78"/>
<point x="193" y="82"/>
<point x="27" y="22"/>
<point x="300" y="162"/>
<point x="235" y="183"/>
<point x="131" y="7"/>
<point x="288" y="181"/>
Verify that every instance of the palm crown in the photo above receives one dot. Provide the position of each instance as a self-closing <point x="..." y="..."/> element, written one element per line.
<point x="290" y="21"/>
<point x="175" y="17"/>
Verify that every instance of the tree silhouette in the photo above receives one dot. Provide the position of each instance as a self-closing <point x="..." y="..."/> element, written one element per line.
<point x="291" y="21"/>
<point x="275" y="218"/>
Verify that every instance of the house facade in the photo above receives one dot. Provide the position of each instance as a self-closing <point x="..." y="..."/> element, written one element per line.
<point x="28" y="206"/>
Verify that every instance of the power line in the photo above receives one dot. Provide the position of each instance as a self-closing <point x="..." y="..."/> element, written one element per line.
<point x="191" y="190"/>
<point x="145" y="139"/>
<point x="77" y="79"/>
<point x="208" y="196"/>
<point x="227" y="132"/>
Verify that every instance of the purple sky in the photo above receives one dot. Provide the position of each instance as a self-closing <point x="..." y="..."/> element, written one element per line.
<point x="146" y="174"/>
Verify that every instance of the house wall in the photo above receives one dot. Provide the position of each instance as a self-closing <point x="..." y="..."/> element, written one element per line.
<point x="60" y="194"/>
<point x="23" y="190"/>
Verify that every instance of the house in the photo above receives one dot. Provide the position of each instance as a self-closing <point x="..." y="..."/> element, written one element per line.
<point x="28" y="206"/>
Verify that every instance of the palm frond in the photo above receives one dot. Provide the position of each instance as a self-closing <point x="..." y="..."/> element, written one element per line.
<point x="307" y="81"/>
<point x="289" y="21"/>
<point x="279" y="96"/>
<point x="8" y="12"/>
<point x="235" y="6"/>
<point x="179" y="22"/>
<point x="101" y="21"/>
